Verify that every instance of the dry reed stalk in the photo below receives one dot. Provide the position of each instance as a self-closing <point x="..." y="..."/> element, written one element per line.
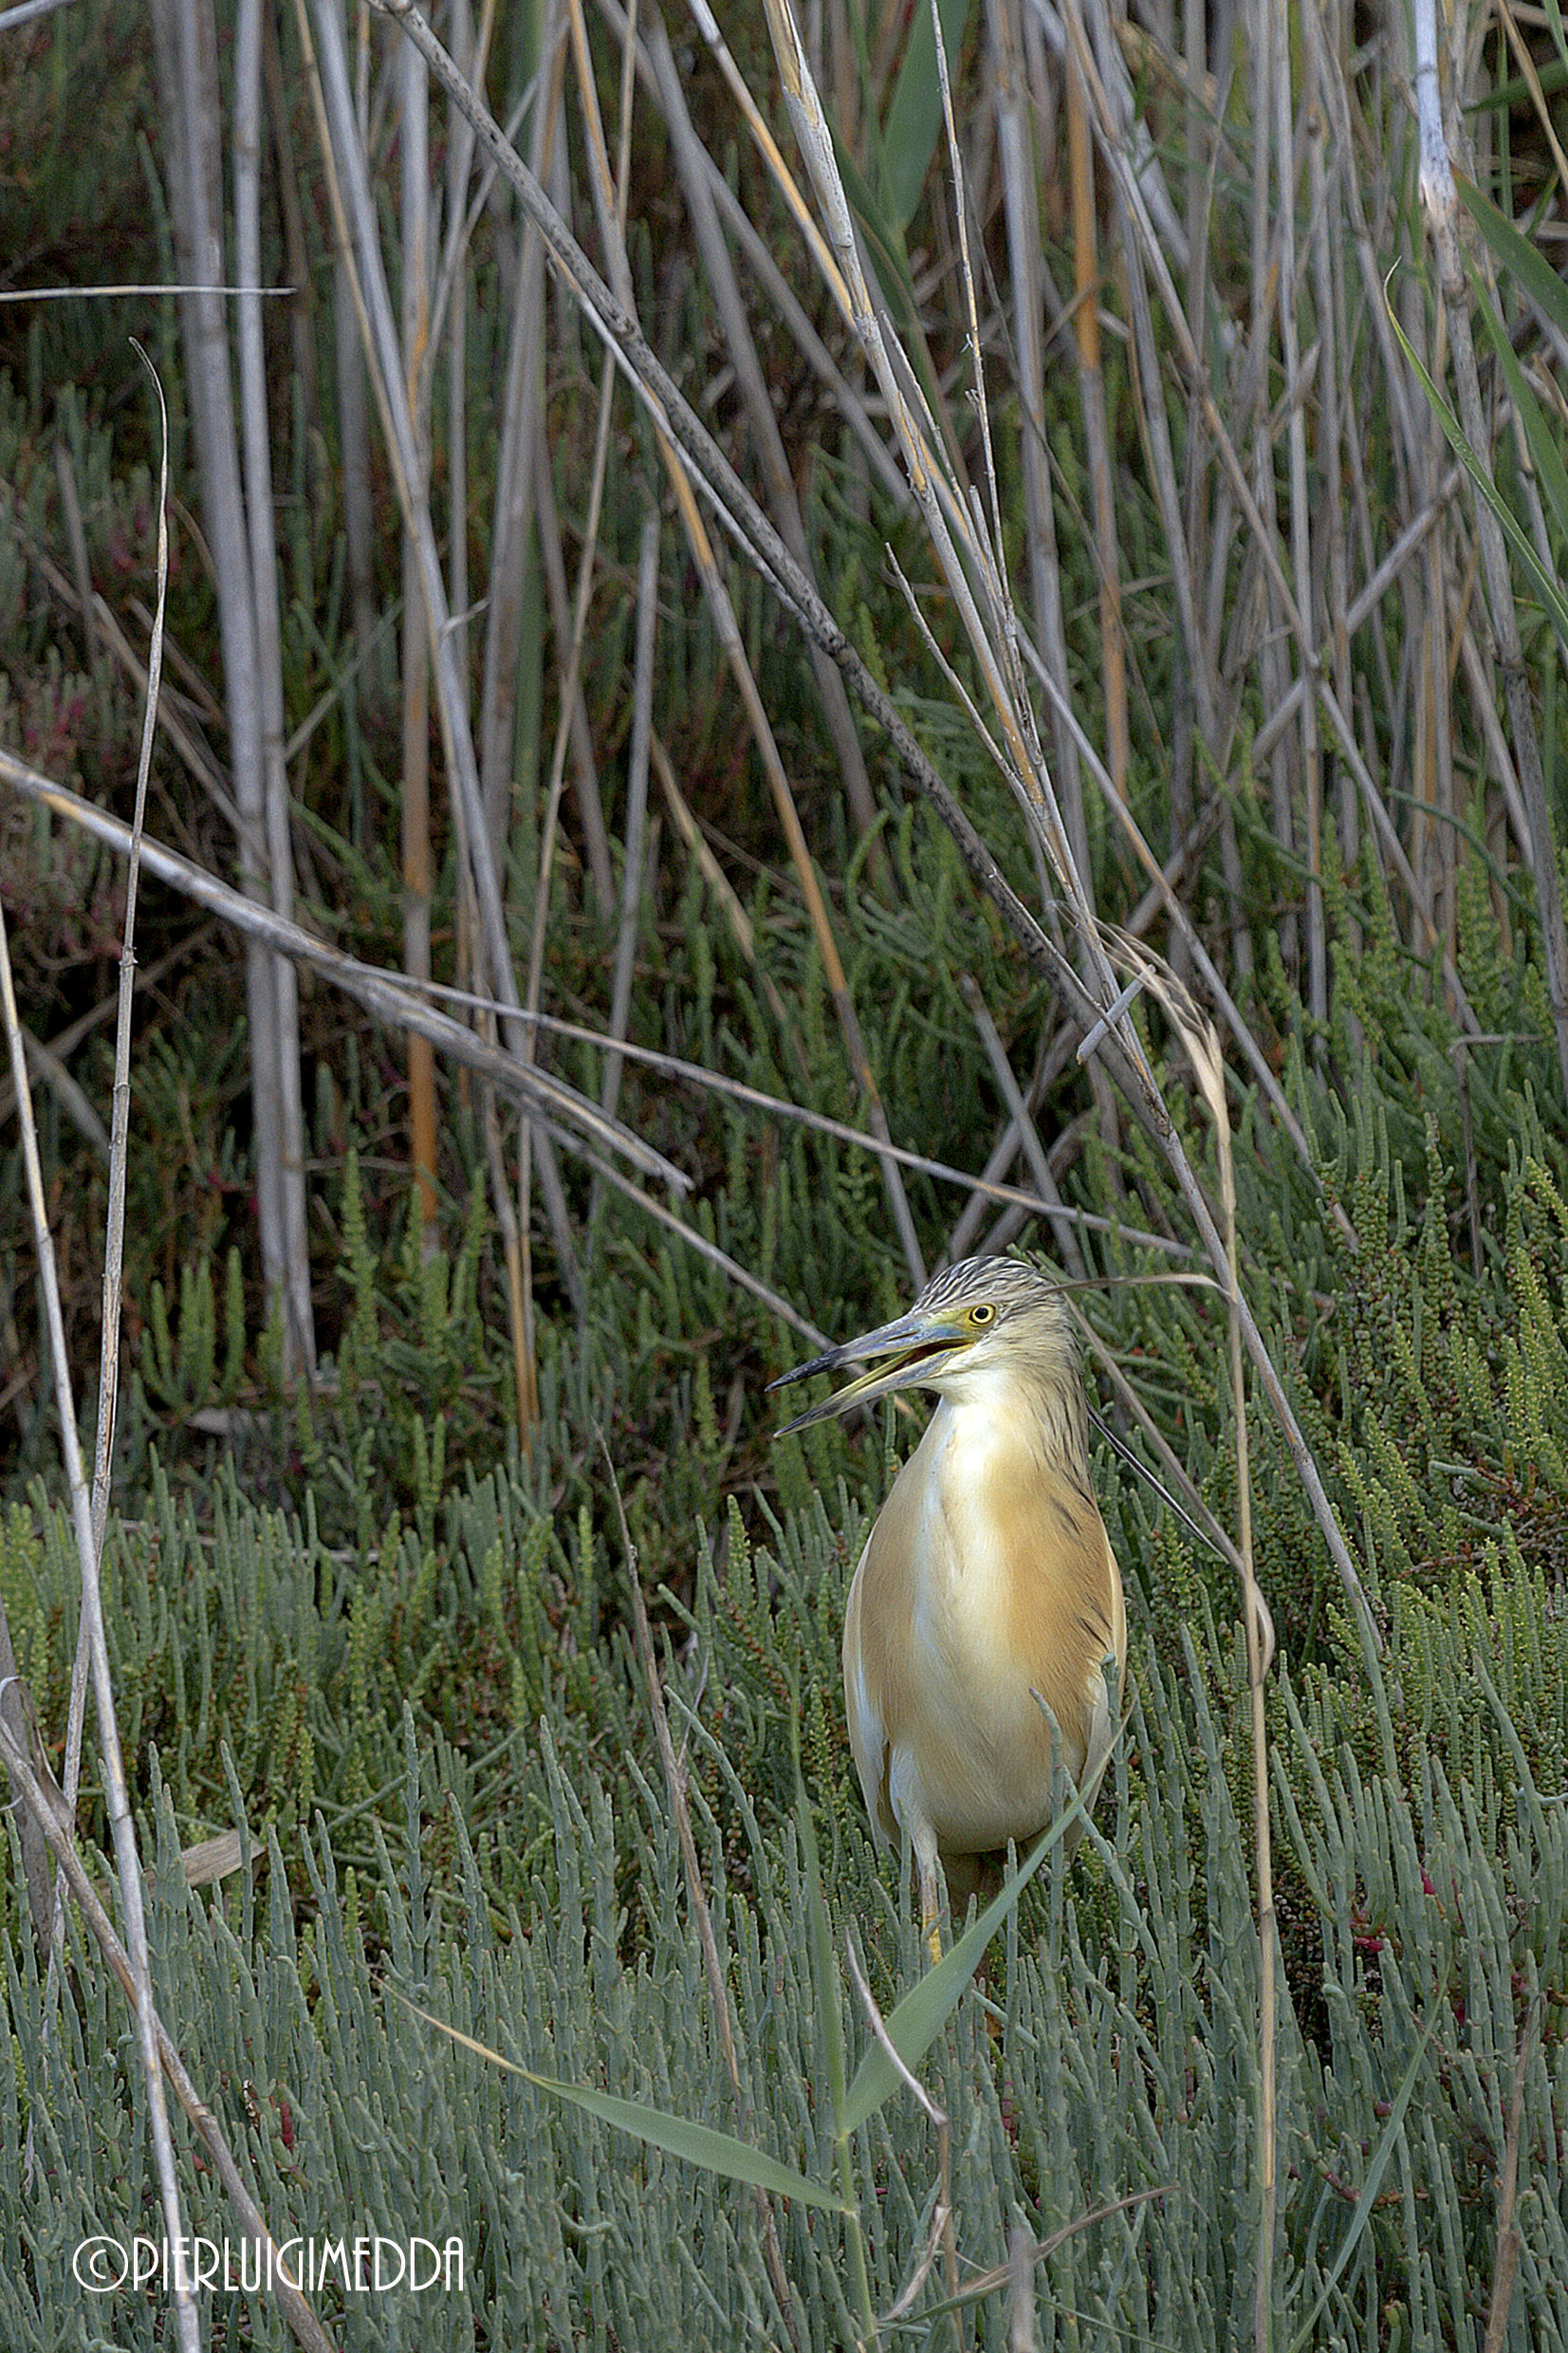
<point x="522" y="501"/>
<point x="522" y="490"/>
<point x="634" y="836"/>
<point x="1201" y="1044"/>
<point x="1441" y="206"/>
<point x="569" y="699"/>
<point x="242" y="565"/>
<point x="941" y="2233"/>
<point x="293" y="1208"/>
<point x="414" y="230"/>
<point x="1097" y="442"/>
<point x="1018" y="166"/>
<point x="1505" y="2260"/>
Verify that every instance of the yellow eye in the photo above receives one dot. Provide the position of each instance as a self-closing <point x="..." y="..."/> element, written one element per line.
<point x="985" y="1313"/>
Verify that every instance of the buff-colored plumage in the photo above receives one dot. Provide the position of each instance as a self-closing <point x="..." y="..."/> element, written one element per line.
<point x="988" y="1584"/>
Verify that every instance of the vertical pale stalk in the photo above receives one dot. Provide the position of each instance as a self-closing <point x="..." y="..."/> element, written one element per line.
<point x="635" y="835"/>
<point x="1257" y="1670"/>
<point x="415" y="227"/>
<point x="188" y="75"/>
<point x="299" y="1327"/>
<point x="1440" y="205"/>
<point x="1021" y="200"/>
<point x="1310" y="767"/>
<point x="1201" y="1043"/>
<point x="353" y="469"/>
<point x="1337" y="414"/>
<point x="1272" y="293"/>
<point x="1097" y="443"/>
<point x="451" y="311"/>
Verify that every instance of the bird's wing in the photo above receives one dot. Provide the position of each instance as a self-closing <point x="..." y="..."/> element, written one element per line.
<point x="868" y="1736"/>
<point x="1105" y="1692"/>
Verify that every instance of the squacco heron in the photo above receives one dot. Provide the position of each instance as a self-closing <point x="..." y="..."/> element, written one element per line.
<point x="988" y="1584"/>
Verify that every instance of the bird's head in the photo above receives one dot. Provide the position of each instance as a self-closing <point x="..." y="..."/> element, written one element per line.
<point x="994" y="1318"/>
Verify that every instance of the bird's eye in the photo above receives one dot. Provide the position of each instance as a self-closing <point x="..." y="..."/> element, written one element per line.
<point x="985" y="1313"/>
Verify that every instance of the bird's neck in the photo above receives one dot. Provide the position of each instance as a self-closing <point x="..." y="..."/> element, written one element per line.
<point x="1004" y="1412"/>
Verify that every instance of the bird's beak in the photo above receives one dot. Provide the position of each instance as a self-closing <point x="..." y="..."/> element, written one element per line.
<point x="912" y="1346"/>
